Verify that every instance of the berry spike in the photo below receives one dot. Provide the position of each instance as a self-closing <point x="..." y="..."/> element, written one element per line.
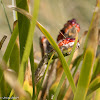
<point x="67" y="43"/>
<point x="69" y="30"/>
<point x="65" y="40"/>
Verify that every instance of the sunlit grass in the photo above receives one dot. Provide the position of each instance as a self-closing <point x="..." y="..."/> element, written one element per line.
<point x="88" y="82"/>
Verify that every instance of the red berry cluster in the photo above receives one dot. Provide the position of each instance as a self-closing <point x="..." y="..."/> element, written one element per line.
<point x="68" y="26"/>
<point x="67" y="42"/>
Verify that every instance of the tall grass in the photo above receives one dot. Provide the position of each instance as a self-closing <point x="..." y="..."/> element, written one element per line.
<point x="22" y="49"/>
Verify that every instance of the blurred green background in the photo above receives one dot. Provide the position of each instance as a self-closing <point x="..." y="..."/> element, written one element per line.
<point x="53" y="14"/>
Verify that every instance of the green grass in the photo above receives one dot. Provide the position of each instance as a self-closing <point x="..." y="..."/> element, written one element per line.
<point x="88" y="82"/>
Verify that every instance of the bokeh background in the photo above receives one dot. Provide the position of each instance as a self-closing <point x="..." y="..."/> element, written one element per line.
<point x="53" y="14"/>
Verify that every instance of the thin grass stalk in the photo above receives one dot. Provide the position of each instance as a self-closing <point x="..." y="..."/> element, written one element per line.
<point x="32" y="70"/>
<point x="14" y="13"/>
<point x="6" y="16"/>
<point x="49" y="62"/>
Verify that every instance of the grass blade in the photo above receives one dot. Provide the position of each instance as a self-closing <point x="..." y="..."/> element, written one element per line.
<point x="29" y="41"/>
<point x="64" y="75"/>
<point x="96" y="69"/>
<point x="10" y="44"/>
<point x="7" y="54"/>
<point x="92" y="35"/>
<point x="23" y="24"/>
<point x="85" y="74"/>
<point x="63" y="61"/>
<point x="95" y="84"/>
<point x="6" y="15"/>
<point x="32" y="70"/>
<point x="14" y="58"/>
<point x="97" y="97"/>
<point x="14" y="61"/>
<point x="76" y="64"/>
<point x="11" y="79"/>
<point x="90" y="48"/>
<point x="49" y="62"/>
